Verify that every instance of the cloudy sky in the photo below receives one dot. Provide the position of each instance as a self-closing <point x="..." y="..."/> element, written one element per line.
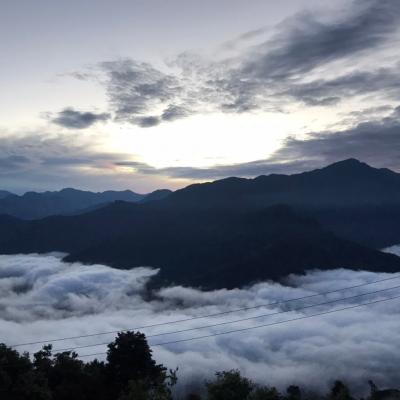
<point x="100" y="94"/>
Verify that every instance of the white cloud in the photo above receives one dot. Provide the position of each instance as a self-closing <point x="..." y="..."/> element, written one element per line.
<point x="393" y="249"/>
<point x="42" y="297"/>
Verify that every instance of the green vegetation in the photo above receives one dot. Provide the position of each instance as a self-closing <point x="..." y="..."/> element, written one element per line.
<point x="131" y="373"/>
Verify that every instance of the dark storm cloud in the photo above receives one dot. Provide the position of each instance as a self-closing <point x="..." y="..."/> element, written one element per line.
<point x="274" y="72"/>
<point x="135" y="89"/>
<point x="18" y="153"/>
<point x="35" y="150"/>
<point x="173" y="112"/>
<point x="304" y="42"/>
<point x="243" y="38"/>
<point x="69" y="161"/>
<point x="148" y="121"/>
<point x="13" y="161"/>
<point x="41" y="161"/>
<point x="325" y="92"/>
<point x="73" y="119"/>
<point x="376" y="142"/>
<point x="370" y="111"/>
<point x="38" y="161"/>
<point x="249" y="169"/>
<point x="269" y="76"/>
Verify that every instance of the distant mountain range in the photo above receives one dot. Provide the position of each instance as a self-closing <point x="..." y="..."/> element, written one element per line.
<point x="234" y="231"/>
<point x="33" y="205"/>
<point x="346" y="183"/>
<point x="4" y="193"/>
<point x="350" y="198"/>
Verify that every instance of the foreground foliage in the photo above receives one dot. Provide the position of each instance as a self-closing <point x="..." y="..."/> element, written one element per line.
<point x="131" y="373"/>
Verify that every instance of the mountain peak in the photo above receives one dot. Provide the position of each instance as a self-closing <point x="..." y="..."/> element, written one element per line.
<point x="348" y="163"/>
<point x="69" y="190"/>
<point x="349" y="166"/>
<point x="353" y="166"/>
<point x="5" y="193"/>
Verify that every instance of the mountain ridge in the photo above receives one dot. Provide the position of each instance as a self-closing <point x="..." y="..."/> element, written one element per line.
<point x="5" y="193"/>
<point x="301" y="188"/>
<point x="68" y="201"/>
<point x="233" y="232"/>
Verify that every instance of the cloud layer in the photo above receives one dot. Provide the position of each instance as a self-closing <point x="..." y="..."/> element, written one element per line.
<point x="43" y="298"/>
<point x="41" y="161"/>
<point x="373" y="137"/>
<point x="375" y="140"/>
<point x="74" y="119"/>
<point x="310" y="58"/>
<point x="343" y="62"/>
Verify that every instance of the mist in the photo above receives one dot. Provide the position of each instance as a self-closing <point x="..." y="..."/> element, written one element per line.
<point x="43" y="298"/>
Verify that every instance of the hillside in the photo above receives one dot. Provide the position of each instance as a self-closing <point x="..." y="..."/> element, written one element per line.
<point x="217" y="249"/>
<point x="234" y="231"/>
<point x="346" y="183"/>
<point x="350" y="198"/>
<point x="205" y="248"/>
<point x="4" y="193"/>
<point x="33" y="205"/>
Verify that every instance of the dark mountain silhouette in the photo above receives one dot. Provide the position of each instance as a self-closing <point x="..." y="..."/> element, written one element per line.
<point x="350" y="198"/>
<point x="4" y="193"/>
<point x="234" y="231"/>
<point x="230" y="232"/>
<point x="343" y="184"/>
<point x="68" y="201"/>
<point x="210" y="248"/>
<point x="156" y="195"/>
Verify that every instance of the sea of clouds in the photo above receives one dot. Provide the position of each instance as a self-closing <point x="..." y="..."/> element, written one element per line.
<point x="43" y="298"/>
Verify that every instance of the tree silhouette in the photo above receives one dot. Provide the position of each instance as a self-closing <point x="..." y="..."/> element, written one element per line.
<point x="229" y="385"/>
<point x="293" y="393"/>
<point x="264" y="393"/>
<point x="132" y="371"/>
<point x="340" y="391"/>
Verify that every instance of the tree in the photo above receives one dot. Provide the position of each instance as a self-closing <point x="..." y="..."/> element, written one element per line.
<point x="293" y="393"/>
<point x="193" y="396"/>
<point x="264" y="393"/>
<point x="340" y="391"/>
<point x="373" y="388"/>
<point x="95" y="383"/>
<point x="66" y="377"/>
<point x="139" y="390"/>
<point x="132" y="371"/>
<point x="229" y="385"/>
<point x="18" y="380"/>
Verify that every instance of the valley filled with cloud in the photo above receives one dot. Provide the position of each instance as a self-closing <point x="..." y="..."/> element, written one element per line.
<point x="43" y="298"/>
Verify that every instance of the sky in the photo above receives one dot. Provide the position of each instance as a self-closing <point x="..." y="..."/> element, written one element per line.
<point x="159" y="94"/>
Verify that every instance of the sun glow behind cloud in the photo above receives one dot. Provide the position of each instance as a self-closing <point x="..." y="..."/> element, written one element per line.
<point x="207" y="140"/>
<point x="139" y="117"/>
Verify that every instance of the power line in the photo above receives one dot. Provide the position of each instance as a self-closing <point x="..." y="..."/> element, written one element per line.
<point x="238" y="320"/>
<point x="207" y="315"/>
<point x="258" y="326"/>
<point x="58" y="304"/>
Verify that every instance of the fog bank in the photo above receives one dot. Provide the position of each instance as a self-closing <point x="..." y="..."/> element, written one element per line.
<point x="41" y="298"/>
